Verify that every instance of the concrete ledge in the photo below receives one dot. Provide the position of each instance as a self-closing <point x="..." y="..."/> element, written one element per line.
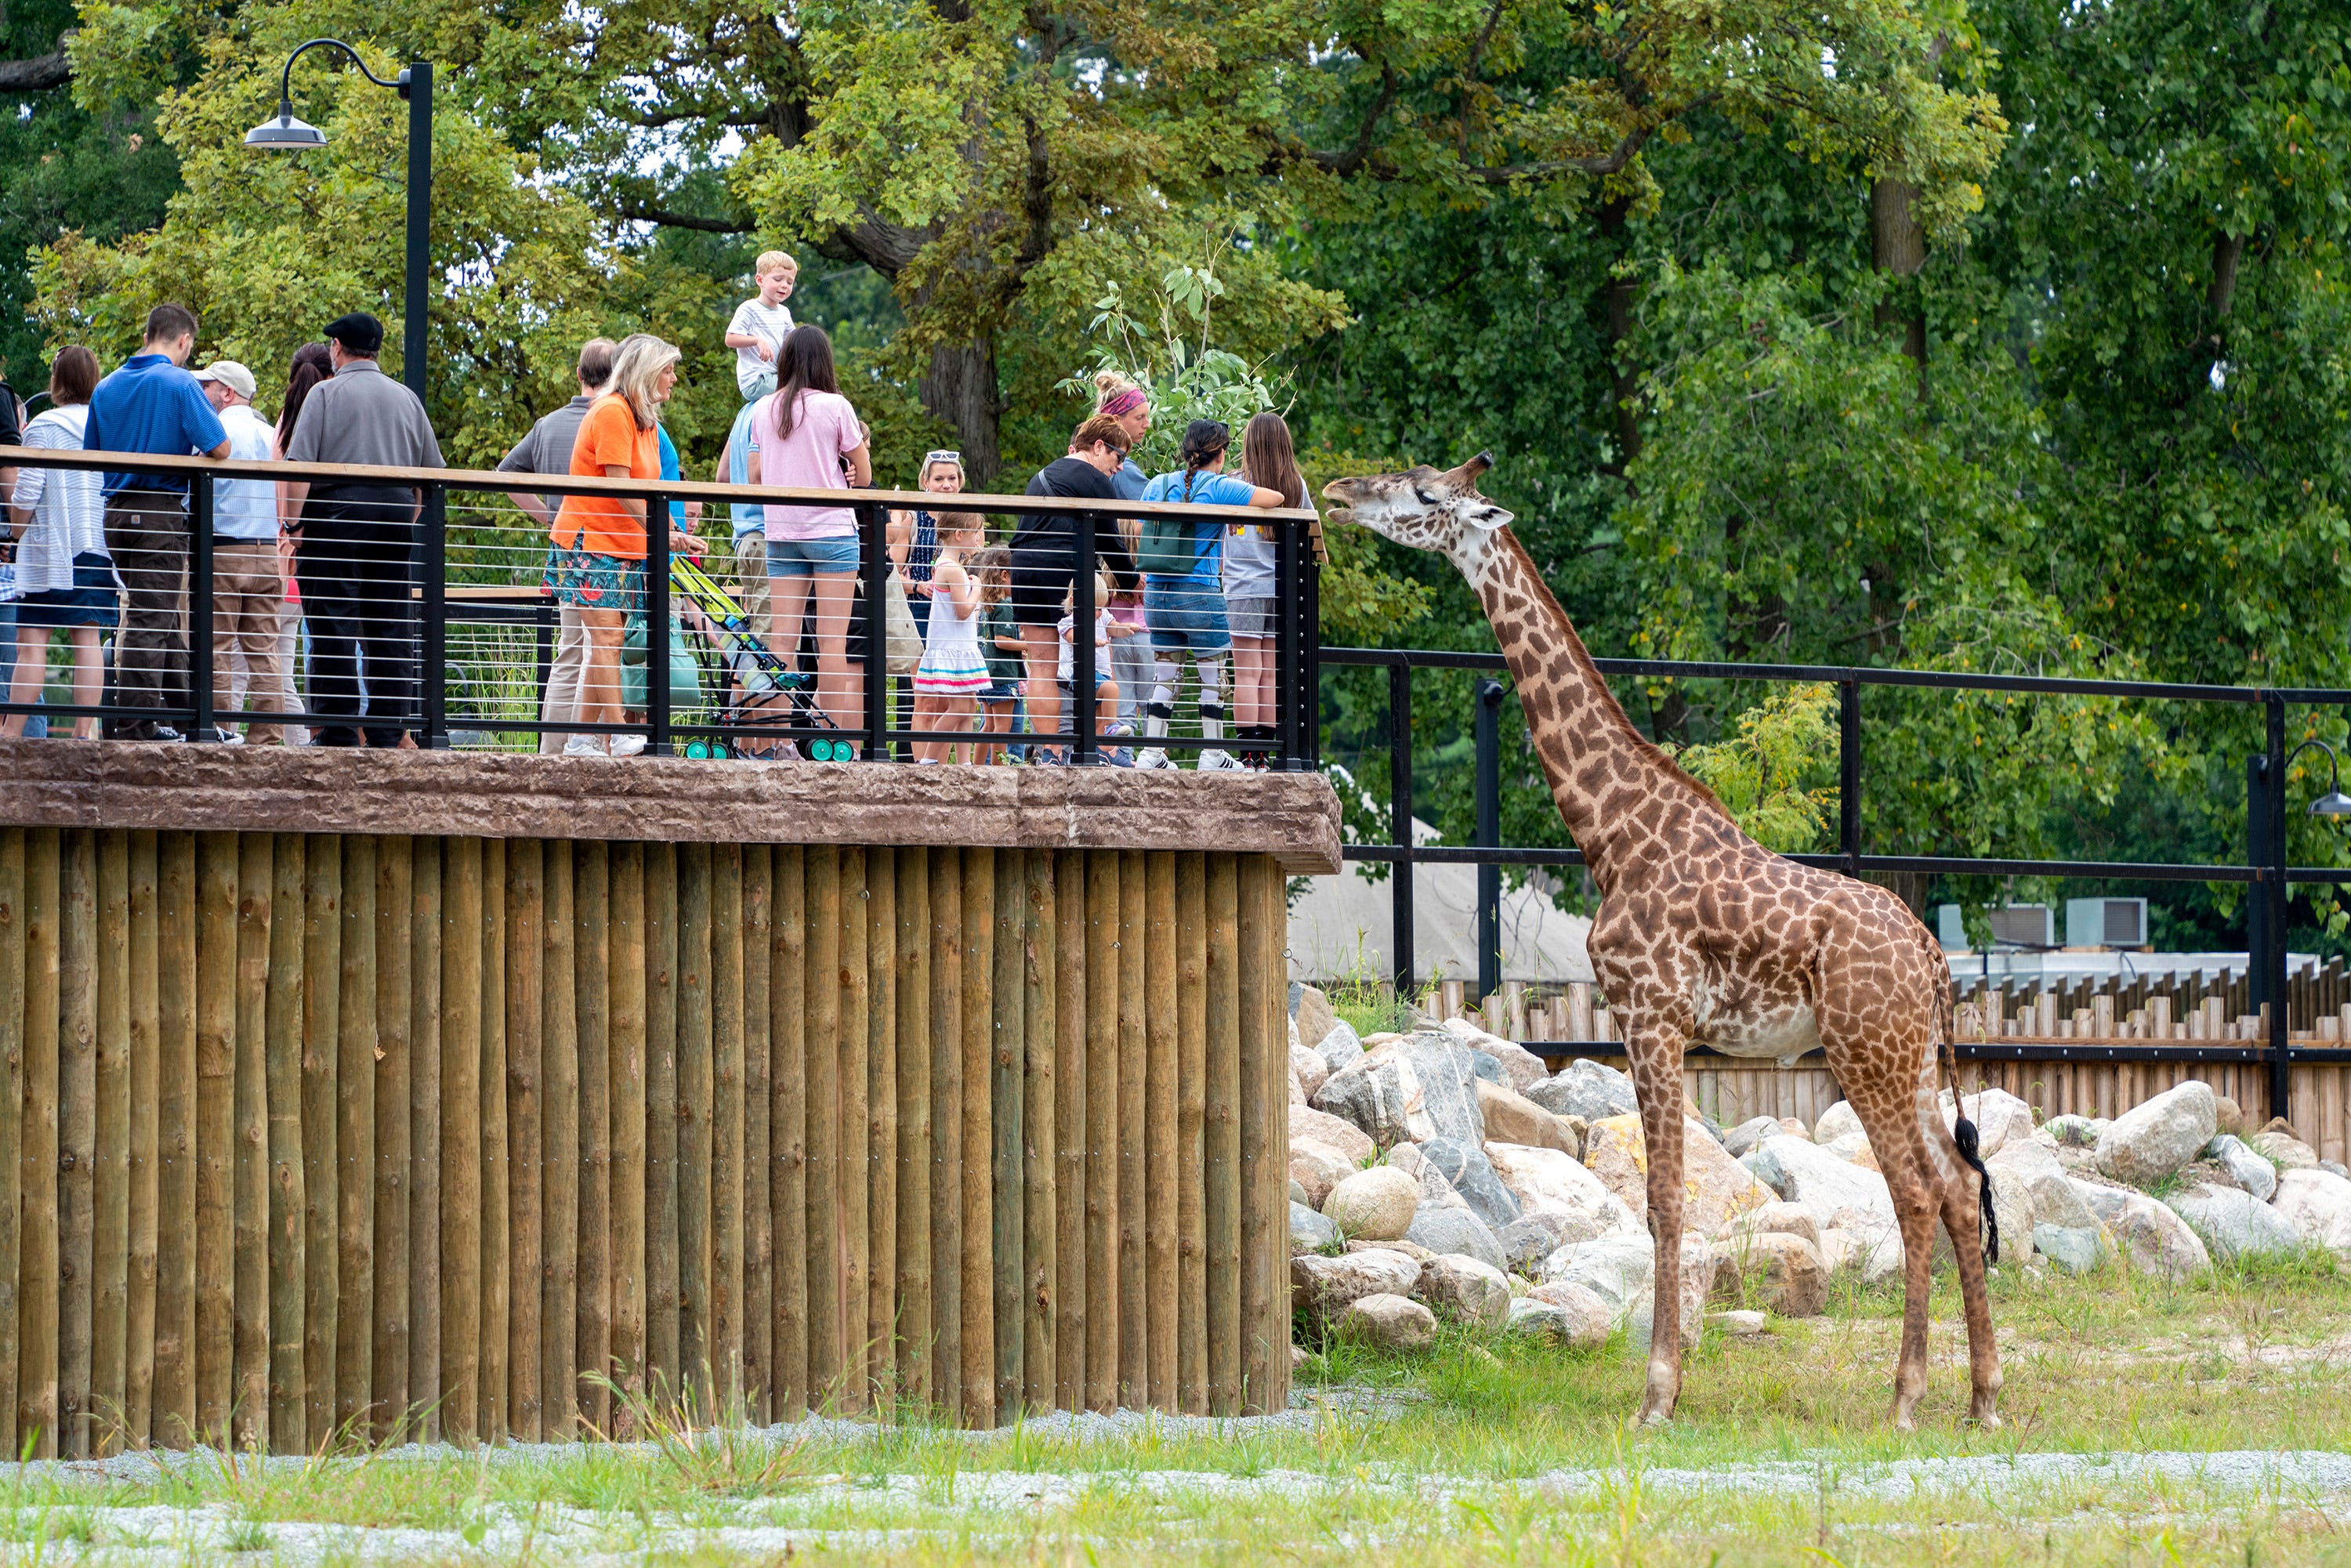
<point x="1294" y="817"/>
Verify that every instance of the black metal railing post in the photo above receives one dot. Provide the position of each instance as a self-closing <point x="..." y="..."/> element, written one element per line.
<point x="1490" y="836"/>
<point x="200" y="608"/>
<point x="1849" y="775"/>
<point x="1400" y="823"/>
<point x="1085" y="752"/>
<point x="1310" y="679"/>
<point x="872" y="533"/>
<point x="657" y="715"/>
<point x="2273" y="896"/>
<point x="432" y="665"/>
<point x="1287" y="689"/>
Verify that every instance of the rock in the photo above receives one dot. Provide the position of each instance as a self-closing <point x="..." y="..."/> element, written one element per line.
<point x="2317" y="1204"/>
<point x="1299" y="1357"/>
<point x="2335" y="1167"/>
<point x="1313" y="1014"/>
<point x="1297" y="1192"/>
<point x="1310" y="1125"/>
<point x="2283" y="1148"/>
<point x="1789" y="1218"/>
<point x="1544" y="1180"/>
<point x="1840" y="1119"/>
<point x="1309" y="1071"/>
<point x="1741" y="1324"/>
<point x="1795" y="1129"/>
<point x="2228" y="1116"/>
<point x="1339" y="1047"/>
<point x="2232" y="1226"/>
<point x="1512" y="1118"/>
<point x="2152" y="1238"/>
<point x="1436" y="1192"/>
<point x="1473" y="1177"/>
<point x="1526" y="1242"/>
<point x="1840" y="1248"/>
<point x="1298" y="1094"/>
<point x="1566" y="1315"/>
<point x="2062" y="1201"/>
<point x="1441" y="1094"/>
<point x="1521" y="1068"/>
<point x="1749" y="1133"/>
<point x="1714" y="1185"/>
<point x="1999" y="1117"/>
<point x="2157" y="1136"/>
<point x="1412" y="1250"/>
<point x="1774" y="1268"/>
<point x="1585" y="1089"/>
<point x="1309" y="1231"/>
<point x="1317" y="1170"/>
<point x="1487" y="1070"/>
<point x="1616" y="1268"/>
<point x="1464" y="1290"/>
<point x="2246" y="1169"/>
<point x="1368" y="1093"/>
<point x="1376" y="1205"/>
<point x="2012" y="1206"/>
<point x="1387" y="1323"/>
<point x="1407" y="1158"/>
<point x="1697" y="1266"/>
<point x="1456" y="1230"/>
<point x="2073" y="1132"/>
<point x="1839" y="1196"/>
<point x="1321" y="1286"/>
<point x="2075" y="1249"/>
<point x="1853" y="1148"/>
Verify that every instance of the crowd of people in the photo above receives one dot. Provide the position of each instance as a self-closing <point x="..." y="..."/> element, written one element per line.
<point x="332" y="564"/>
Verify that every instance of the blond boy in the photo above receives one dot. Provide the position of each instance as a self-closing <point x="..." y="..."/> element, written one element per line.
<point x="760" y="325"/>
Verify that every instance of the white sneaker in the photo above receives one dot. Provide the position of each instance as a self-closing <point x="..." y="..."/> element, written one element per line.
<point x="1151" y="757"/>
<point x="628" y="745"/>
<point x="1215" y="761"/>
<point x="582" y="746"/>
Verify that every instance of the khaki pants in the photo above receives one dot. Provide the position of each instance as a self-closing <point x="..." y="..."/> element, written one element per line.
<point x="563" y="675"/>
<point x="751" y="586"/>
<point x="248" y="586"/>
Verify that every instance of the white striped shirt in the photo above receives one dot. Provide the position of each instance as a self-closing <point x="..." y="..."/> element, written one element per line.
<point x="69" y="513"/>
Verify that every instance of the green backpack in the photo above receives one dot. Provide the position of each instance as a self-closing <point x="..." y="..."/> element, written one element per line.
<point x="1170" y="546"/>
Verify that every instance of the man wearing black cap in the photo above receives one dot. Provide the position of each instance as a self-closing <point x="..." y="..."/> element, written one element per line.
<point x="353" y="539"/>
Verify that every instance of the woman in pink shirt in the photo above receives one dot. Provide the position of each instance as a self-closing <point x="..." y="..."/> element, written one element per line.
<point x="807" y="437"/>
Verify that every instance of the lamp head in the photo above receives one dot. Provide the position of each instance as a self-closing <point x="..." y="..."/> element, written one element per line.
<point x="2333" y="803"/>
<point x="285" y="133"/>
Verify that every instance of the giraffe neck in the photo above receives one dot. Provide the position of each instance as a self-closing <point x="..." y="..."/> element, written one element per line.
<point x="1608" y="780"/>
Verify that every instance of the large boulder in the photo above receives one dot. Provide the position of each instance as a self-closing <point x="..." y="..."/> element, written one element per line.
<point x="1739" y="1140"/>
<point x="1714" y="1185"/>
<point x="1839" y="1196"/>
<point x="2246" y="1169"/>
<point x="1308" y="1070"/>
<point x="1585" y="1089"/>
<point x="1313" y="1126"/>
<point x="1317" y="1169"/>
<point x="1512" y="1118"/>
<point x="2011" y="1207"/>
<point x="1527" y="1242"/>
<point x="1309" y="1231"/>
<point x="1441" y="1094"/>
<point x="2074" y="1132"/>
<point x="1839" y="1121"/>
<point x="1464" y="1290"/>
<point x="2001" y="1118"/>
<point x="1369" y="1094"/>
<point x="2157" y="1136"/>
<point x="1339" y="1047"/>
<point x="1376" y="1205"/>
<point x="1566" y="1315"/>
<point x="1473" y="1177"/>
<point x="1771" y="1268"/>
<point x="1546" y="1181"/>
<point x="2233" y="1226"/>
<point x="1616" y="1268"/>
<point x="2075" y="1249"/>
<point x="2287" y="1152"/>
<point x="1789" y="1218"/>
<point x="2317" y="1204"/>
<point x="1521" y="1068"/>
<point x="1385" y="1322"/>
<point x="1698" y="1267"/>
<point x="1456" y="1230"/>
<point x="1311" y="1011"/>
<point x="2152" y="1238"/>
<point x="1323" y="1287"/>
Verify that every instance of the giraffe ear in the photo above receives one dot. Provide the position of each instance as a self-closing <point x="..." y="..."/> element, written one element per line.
<point x="1480" y="513"/>
<point x="1466" y="475"/>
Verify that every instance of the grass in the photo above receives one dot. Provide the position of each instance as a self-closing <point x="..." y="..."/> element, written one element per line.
<point x="2098" y="1366"/>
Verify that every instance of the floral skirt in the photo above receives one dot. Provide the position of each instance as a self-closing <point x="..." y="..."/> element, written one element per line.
<point x="593" y="582"/>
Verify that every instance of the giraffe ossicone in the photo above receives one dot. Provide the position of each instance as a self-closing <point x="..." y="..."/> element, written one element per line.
<point x="1705" y="937"/>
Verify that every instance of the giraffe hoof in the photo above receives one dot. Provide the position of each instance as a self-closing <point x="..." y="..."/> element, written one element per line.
<point x="1984" y="1419"/>
<point x="1656" y="1415"/>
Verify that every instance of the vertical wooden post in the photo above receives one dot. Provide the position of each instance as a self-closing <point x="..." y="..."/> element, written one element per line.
<point x="216" y="1000"/>
<point x="355" y="1143"/>
<point x="322" y="980"/>
<point x="138" y="1315"/>
<point x="1223" y="1129"/>
<point x="424" y="1046"/>
<point x="1101" y="1154"/>
<point x="395" y="998"/>
<point x="1263" y="1016"/>
<point x="1133" y="1194"/>
<point x="495" y="1320"/>
<point x="689" y="1117"/>
<point x="627" y="1079"/>
<point x="13" y="1022"/>
<point x="526" y="1050"/>
<point x="461" y="1139"/>
<point x="759" y="1151"/>
<point x="256" y="931"/>
<point x="910" y="959"/>
<point x="804" y="1034"/>
<point x="110" y="1212"/>
<point x="1041" y="1286"/>
<point x="37" y="1290"/>
<point x="594" y="966"/>
<point x="1191" y="1143"/>
<point x="1007" y="1135"/>
<point x="175" y="1410"/>
<point x="282" y="1092"/>
<point x="78" y="1130"/>
<point x="1068" y="981"/>
<point x="559" y="1281"/>
<point x="943" y="943"/>
<point x="976" y="1161"/>
<point x="854" y="1190"/>
<point x="881" y="1123"/>
<point x="1159" y="1122"/>
<point x="662" y="1109"/>
<point x="724" y="1351"/>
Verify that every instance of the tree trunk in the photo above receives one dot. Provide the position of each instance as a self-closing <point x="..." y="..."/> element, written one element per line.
<point x="1898" y="245"/>
<point x="961" y="388"/>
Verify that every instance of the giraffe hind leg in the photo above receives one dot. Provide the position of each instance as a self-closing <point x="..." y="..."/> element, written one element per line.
<point x="1655" y="1057"/>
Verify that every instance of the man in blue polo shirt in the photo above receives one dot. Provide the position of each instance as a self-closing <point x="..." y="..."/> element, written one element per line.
<point x="151" y="404"/>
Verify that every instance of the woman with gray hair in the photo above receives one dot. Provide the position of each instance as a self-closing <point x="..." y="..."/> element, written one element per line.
<point x="597" y="562"/>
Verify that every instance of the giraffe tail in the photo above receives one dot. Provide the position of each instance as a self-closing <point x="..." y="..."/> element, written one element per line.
<point x="1963" y="1130"/>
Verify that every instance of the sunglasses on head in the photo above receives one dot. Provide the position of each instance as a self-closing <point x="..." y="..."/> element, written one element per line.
<point x="942" y="456"/>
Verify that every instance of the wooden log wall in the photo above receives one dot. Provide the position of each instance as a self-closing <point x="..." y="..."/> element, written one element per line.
<point x="313" y="1139"/>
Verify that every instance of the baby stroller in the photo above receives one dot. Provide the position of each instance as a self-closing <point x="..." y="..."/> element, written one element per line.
<point x="760" y="689"/>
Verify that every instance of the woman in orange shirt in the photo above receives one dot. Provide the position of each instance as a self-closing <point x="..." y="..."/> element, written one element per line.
<point x="597" y="562"/>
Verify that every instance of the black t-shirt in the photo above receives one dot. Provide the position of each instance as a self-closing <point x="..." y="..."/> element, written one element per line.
<point x="10" y="434"/>
<point x="1047" y="537"/>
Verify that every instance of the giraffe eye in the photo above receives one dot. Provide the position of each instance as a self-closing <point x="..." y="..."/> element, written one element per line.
<point x="1425" y="498"/>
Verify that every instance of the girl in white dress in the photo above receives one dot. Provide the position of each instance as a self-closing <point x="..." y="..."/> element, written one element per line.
<point x="954" y="673"/>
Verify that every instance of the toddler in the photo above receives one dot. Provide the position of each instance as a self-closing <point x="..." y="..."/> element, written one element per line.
<point x="761" y="324"/>
<point x="999" y="645"/>
<point x="953" y="672"/>
<point x="1106" y="720"/>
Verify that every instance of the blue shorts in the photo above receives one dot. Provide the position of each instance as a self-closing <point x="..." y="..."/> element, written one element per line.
<point x="811" y="558"/>
<point x="1185" y="612"/>
<point x="90" y="601"/>
<point x="1001" y="692"/>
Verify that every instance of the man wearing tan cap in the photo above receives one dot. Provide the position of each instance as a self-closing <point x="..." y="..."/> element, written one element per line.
<point x="249" y="578"/>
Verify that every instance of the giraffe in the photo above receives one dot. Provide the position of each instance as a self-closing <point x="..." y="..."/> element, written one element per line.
<point x="1705" y="937"/>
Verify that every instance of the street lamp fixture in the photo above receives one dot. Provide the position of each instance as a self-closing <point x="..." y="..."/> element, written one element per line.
<point x="2335" y="803"/>
<point x="286" y="134"/>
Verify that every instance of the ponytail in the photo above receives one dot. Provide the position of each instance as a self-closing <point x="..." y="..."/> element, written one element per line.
<point x="1205" y="440"/>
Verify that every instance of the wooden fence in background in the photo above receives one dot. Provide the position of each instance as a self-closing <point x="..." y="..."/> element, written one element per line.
<point x="304" y="1135"/>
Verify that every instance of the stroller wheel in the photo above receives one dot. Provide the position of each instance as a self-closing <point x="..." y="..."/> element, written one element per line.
<point x="698" y="750"/>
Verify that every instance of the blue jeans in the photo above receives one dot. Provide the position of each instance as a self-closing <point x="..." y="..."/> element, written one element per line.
<point x="1185" y="612"/>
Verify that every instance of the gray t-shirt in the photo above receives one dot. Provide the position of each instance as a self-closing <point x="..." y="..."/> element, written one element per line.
<point x="548" y="448"/>
<point x="1249" y="560"/>
<point x="362" y="416"/>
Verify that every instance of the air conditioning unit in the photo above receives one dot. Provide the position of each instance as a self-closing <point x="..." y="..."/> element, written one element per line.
<point x="2018" y="925"/>
<point x="2105" y="923"/>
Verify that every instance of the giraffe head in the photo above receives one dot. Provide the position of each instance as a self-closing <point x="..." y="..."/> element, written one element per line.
<point x="1424" y="509"/>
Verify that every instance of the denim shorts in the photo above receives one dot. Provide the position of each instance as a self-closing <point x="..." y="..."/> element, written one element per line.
<point x="90" y="601"/>
<point x="1001" y="692"/>
<point x="808" y="557"/>
<point x="1185" y="612"/>
<point x="1253" y="617"/>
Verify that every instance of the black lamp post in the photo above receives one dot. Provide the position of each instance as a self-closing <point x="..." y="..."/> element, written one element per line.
<point x="286" y="134"/>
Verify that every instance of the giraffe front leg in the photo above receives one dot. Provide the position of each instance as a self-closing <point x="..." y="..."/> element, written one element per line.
<point x="1655" y="1054"/>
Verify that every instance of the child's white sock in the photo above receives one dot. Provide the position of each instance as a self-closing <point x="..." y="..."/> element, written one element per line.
<point x="1162" y="706"/>
<point x="1212" y="700"/>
